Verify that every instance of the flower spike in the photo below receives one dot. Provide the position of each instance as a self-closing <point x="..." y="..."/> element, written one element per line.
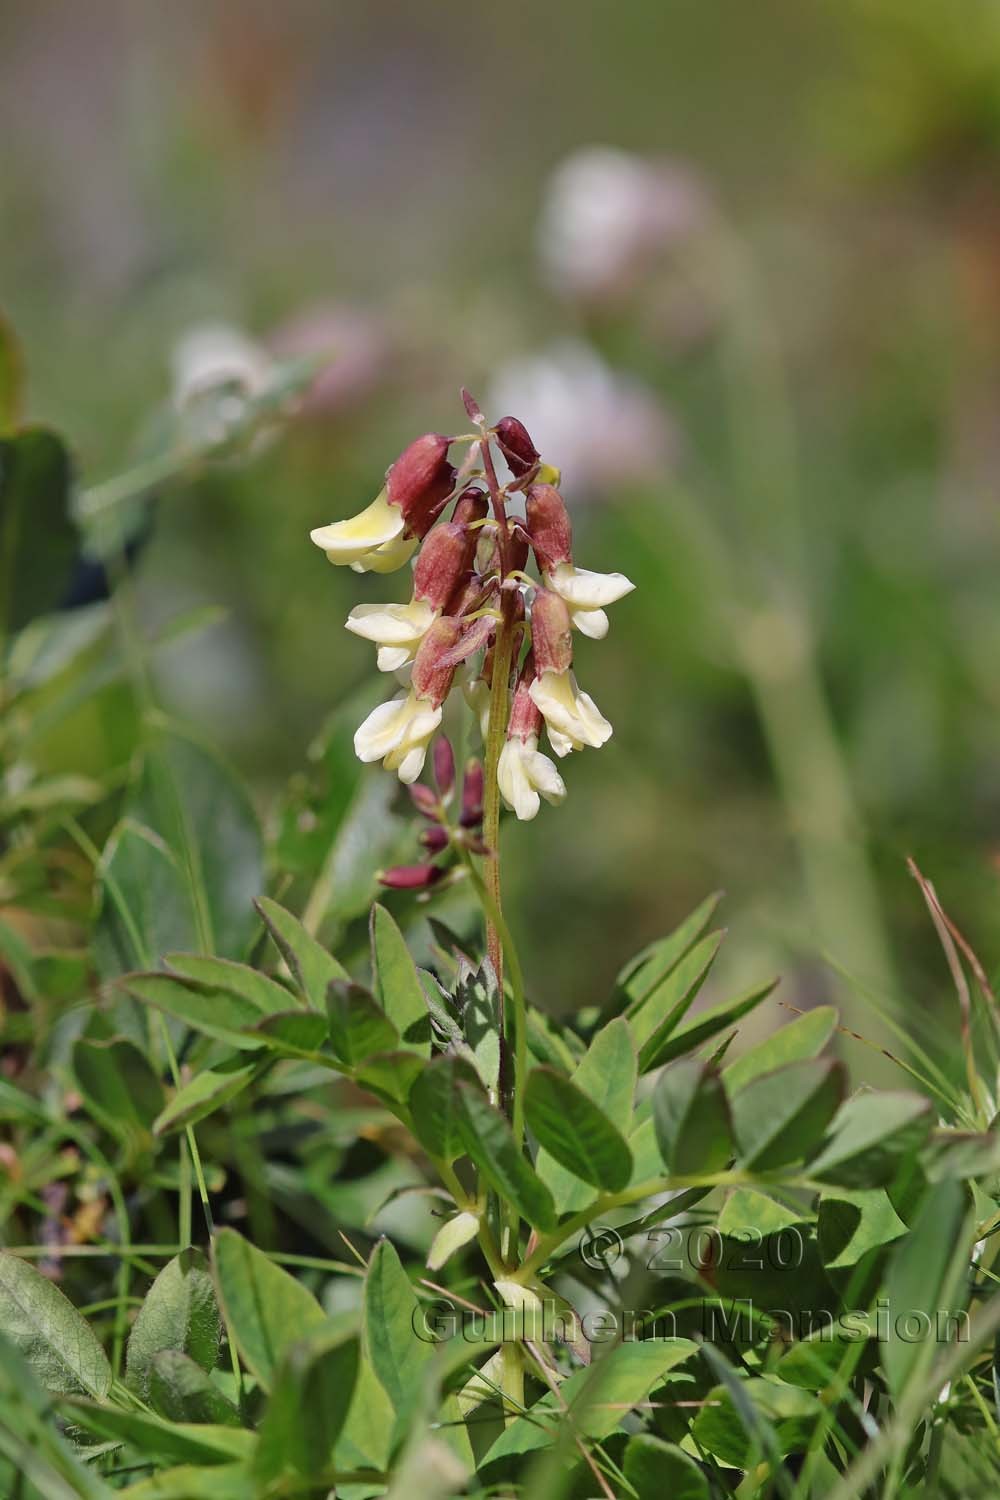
<point x="474" y="603"/>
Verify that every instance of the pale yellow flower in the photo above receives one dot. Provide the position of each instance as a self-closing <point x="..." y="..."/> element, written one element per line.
<point x="586" y="593"/>
<point x="370" y="542"/>
<point x="397" y="630"/>
<point x="398" y="733"/>
<point x="572" y="718"/>
<point x="523" y="773"/>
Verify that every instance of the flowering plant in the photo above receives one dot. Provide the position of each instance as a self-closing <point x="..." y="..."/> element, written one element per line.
<point x="632" y="1261"/>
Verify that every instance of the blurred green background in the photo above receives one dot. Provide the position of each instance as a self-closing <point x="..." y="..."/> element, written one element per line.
<point x="759" y="331"/>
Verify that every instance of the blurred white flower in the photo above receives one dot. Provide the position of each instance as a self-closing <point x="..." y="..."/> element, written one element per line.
<point x="217" y="371"/>
<point x="213" y="355"/>
<point x="608" y="213"/>
<point x="601" y="427"/>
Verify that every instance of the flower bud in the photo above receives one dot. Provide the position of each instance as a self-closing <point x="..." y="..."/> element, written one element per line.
<point x="551" y="633"/>
<point x="548" y="526"/>
<point x="472" y="795"/>
<point x="424" y="800"/>
<point x="432" y="676"/>
<point x="516" y="445"/>
<point x="470" y="593"/>
<point x="411" y="877"/>
<point x="444" y="766"/>
<point x="443" y="558"/>
<point x="471" y="505"/>
<point x="517" y="548"/>
<point x="434" y="839"/>
<point x="525" y="716"/>
<point x="421" y="480"/>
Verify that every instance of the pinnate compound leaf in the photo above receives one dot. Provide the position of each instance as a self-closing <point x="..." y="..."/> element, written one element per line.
<point x="599" y="1397"/>
<point x="267" y="1309"/>
<point x="58" y="1344"/>
<point x="781" y="1116"/>
<point x="665" y="1006"/>
<point x="576" y="1131"/>
<point x="642" y="974"/>
<point x="607" y="1075"/>
<point x="179" y="1312"/>
<point x="311" y="966"/>
<point x="181" y="1391"/>
<point x="926" y="1284"/>
<point x="359" y="1028"/>
<point x="489" y="1142"/>
<point x="871" y="1136"/>
<point x="802" y="1038"/>
<point x="691" y="1119"/>
<point x="397" y="983"/>
<point x="436" y="1105"/>
<point x="701" y="1028"/>
<point x="655" y="1468"/>
<point x="203" y="1095"/>
<point x="391" y="1319"/>
<point x="308" y="1406"/>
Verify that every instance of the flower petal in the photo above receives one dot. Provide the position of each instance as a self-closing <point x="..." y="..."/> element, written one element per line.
<point x="513" y="780"/>
<point x="573" y="715"/>
<point x="387" y="558"/>
<point x="590" y="622"/>
<point x="544" y="776"/>
<point x="588" y="590"/>
<point x="351" y="540"/>
<point x="391" y="624"/>
<point x="382" y="729"/>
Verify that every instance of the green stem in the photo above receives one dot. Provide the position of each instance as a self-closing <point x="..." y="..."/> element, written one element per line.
<point x="496" y="921"/>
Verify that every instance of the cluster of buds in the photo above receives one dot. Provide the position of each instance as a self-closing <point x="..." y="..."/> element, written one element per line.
<point x="443" y="834"/>
<point x="474" y="607"/>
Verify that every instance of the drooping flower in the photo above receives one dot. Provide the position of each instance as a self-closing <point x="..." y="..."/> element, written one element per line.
<point x="374" y="541"/>
<point x="571" y="716"/>
<point x="584" y="592"/>
<point x="398" y="629"/>
<point x="399" y="732"/>
<point x="384" y="536"/>
<point x="524" y="774"/>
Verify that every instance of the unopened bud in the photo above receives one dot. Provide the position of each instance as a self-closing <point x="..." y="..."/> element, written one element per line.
<point x="471" y="639"/>
<point x="472" y="795"/>
<point x="434" y="839"/>
<point x="549" y="526"/>
<point x="525" y="716"/>
<point x="421" y="480"/>
<point x="472" y="406"/>
<point x="444" y="766"/>
<point x="517" y="548"/>
<point x="516" y="445"/>
<point x="469" y="594"/>
<point x="551" y="633"/>
<point x="423" y="799"/>
<point x="411" y="877"/>
<point x="471" y="505"/>
<point x="443" y="558"/>
<point x="432" y="676"/>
